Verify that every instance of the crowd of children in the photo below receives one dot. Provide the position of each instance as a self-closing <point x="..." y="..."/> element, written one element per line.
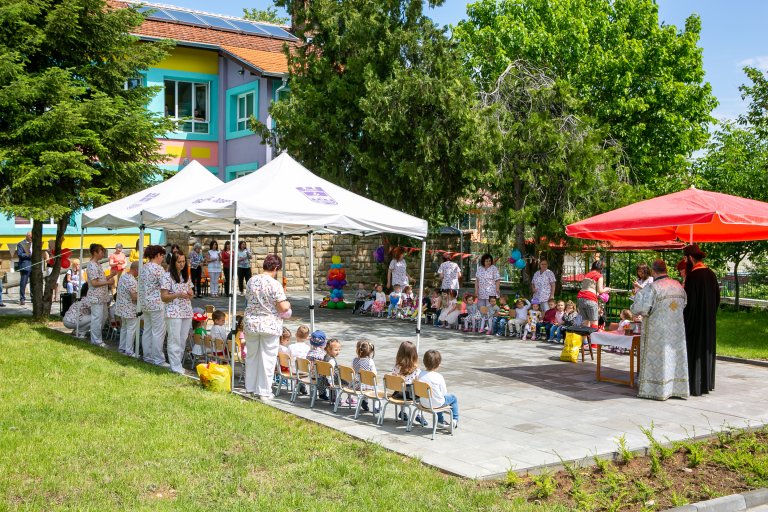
<point x="317" y="347"/>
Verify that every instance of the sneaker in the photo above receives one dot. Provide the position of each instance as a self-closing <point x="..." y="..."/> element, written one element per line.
<point x="100" y="344"/>
<point x="376" y="409"/>
<point x="2" y="305"/>
<point x="265" y="398"/>
<point x="323" y="396"/>
<point x="364" y="405"/>
<point x="499" y="334"/>
<point x="351" y="401"/>
<point x="445" y="424"/>
<point x="129" y="353"/>
<point x="404" y="416"/>
<point x="455" y="424"/>
<point x="164" y="364"/>
<point x="420" y="420"/>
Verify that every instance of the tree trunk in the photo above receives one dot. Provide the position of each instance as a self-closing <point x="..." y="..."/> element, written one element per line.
<point x="556" y="264"/>
<point x="525" y="282"/>
<point x="36" y="274"/>
<point x="52" y="280"/>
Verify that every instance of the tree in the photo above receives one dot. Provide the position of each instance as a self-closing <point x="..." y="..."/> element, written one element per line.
<point x="552" y="167"/>
<point x="639" y="81"/>
<point x="269" y="15"/>
<point x="380" y="104"/>
<point x="72" y="135"/>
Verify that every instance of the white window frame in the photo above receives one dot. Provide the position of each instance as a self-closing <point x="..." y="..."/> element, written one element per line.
<point x="50" y="224"/>
<point x="191" y="120"/>
<point x="243" y="117"/>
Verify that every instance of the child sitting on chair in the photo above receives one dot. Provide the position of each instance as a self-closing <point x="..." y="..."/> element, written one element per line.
<point x="520" y="317"/>
<point x="534" y="317"/>
<point x="449" y="315"/>
<point x="440" y="396"/>
<point x="548" y="320"/>
<point x="318" y="341"/>
<point x="379" y="300"/>
<point x="394" y="298"/>
<point x="407" y="303"/>
<point x="219" y="331"/>
<point x="284" y="348"/>
<point x="471" y="316"/>
<point x="361" y="295"/>
<point x="364" y="361"/>
<point x="332" y="351"/>
<point x="488" y="314"/>
<point x="501" y="317"/>
<point x="569" y="319"/>
<point x="407" y="367"/>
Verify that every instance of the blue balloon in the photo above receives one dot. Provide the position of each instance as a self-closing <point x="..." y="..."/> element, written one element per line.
<point x="516" y="255"/>
<point x="520" y="264"/>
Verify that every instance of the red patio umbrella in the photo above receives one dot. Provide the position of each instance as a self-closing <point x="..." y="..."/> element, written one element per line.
<point x="691" y="215"/>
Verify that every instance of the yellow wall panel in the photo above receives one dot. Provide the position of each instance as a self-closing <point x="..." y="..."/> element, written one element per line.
<point x="174" y="151"/>
<point x="192" y="60"/>
<point x="200" y="152"/>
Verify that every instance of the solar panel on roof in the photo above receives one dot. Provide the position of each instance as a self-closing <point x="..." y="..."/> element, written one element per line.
<point x="216" y="22"/>
<point x="186" y="17"/>
<point x="248" y="27"/>
<point x="275" y="31"/>
<point x="155" y="13"/>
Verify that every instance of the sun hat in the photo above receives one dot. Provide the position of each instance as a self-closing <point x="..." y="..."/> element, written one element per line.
<point x="317" y="339"/>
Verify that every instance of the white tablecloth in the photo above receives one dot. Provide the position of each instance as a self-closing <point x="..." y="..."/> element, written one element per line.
<point x="613" y="338"/>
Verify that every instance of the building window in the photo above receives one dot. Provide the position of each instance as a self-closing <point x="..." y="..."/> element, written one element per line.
<point x="187" y="102"/>
<point x="245" y="109"/>
<point x="240" y="174"/>
<point x="23" y="222"/>
<point x="132" y="83"/>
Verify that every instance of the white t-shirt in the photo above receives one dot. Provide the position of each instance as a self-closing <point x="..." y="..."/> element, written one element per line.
<point x="298" y="349"/>
<point x="219" y="332"/>
<point x="439" y="389"/>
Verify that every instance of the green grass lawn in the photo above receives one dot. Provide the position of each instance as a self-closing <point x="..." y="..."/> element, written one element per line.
<point x="83" y="428"/>
<point x="742" y="334"/>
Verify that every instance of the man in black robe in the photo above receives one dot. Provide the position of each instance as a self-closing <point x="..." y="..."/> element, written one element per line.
<point x="700" y="317"/>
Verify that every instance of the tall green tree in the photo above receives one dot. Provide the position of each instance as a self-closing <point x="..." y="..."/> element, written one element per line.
<point x="553" y="167"/>
<point x="640" y="81"/>
<point x="270" y="15"/>
<point x="735" y="162"/>
<point x="72" y="134"/>
<point x="380" y="104"/>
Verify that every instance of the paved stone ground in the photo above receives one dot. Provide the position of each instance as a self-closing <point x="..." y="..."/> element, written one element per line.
<point x="521" y="407"/>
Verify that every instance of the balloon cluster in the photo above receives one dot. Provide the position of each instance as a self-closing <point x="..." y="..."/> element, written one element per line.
<point x="379" y="254"/>
<point x="65" y="255"/>
<point x="337" y="279"/>
<point x="516" y="259"/>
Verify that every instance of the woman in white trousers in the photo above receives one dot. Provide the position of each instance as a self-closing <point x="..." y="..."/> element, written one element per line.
<point x="213" y="258"/>
<point x="150" y="279"/>
<point x="263" y="322"/>
<point x="176" y="292"/>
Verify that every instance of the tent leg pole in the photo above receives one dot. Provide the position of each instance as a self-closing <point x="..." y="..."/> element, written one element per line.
<point x="80" y="275"/>
<point x="311" y="282"/>
<point x="137" y="343"/>
<point x="231" y="306"/>
<point x="284" y="263"/>
<point x="233" y="328"/>
<point x="421" y="292"/>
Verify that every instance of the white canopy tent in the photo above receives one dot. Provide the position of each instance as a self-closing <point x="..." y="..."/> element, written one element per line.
<point x="284" y="198"/>
<point x="128" y="212"/>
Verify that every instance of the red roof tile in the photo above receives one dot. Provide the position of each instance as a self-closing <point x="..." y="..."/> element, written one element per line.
<point x="261" y="52"/>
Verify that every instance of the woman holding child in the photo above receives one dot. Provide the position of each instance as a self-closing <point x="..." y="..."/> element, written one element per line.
<point x="267" y="307"/>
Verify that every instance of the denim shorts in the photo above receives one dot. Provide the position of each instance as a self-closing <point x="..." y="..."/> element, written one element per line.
<point x="587" y="309"/>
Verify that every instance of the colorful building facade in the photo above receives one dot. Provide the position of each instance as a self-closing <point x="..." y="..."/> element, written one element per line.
<point x="222" y="71"/>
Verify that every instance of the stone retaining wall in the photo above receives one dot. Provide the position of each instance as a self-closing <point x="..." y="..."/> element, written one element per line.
<point x="356" y="255"/>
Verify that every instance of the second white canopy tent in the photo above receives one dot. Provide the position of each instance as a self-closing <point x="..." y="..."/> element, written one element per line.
<point x="284" y="198"/>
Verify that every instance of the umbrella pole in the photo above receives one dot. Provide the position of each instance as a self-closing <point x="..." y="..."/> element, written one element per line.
<point x="233" y="330"/>
<point x="80" y="275"/>
<point x="421" y="292"/>
<point x="311" y="282"/>
<point x="137" y="342"/>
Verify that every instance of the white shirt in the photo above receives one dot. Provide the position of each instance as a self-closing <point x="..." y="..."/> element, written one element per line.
<point x="219" y="332"/>
<point x="298" y="349"/>
<point x="214" y="263"/>
<point x="439" y="390"/>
